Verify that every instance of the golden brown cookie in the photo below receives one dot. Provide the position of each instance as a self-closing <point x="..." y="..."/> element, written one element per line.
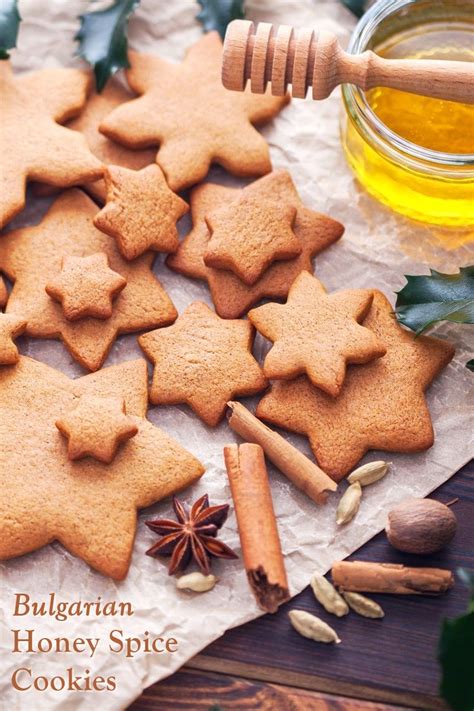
<point x="381" y="406"/>
<point x="232" y="298"/>
<point x="32" y="257"/>
<point x="185" y="109"/>
<point x="141" y="211"/>
<point x="317" y="334"/>
<point x="95" y="427"/>
<point x="11" y="326"/>
<point x="204" y="361"/>
<point x="86" y="286"/>
<point x="87" y="506"/>
<point x="251" y="233"/>
<point x="3" y="293"/>
<point x="33" y="146"/>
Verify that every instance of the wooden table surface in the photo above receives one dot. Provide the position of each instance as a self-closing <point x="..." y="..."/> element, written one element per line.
<point x="265" y="664"/>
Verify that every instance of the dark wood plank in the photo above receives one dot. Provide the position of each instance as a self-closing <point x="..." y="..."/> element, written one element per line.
<point x="392" y="660"/>
<point x="190" y="690"/>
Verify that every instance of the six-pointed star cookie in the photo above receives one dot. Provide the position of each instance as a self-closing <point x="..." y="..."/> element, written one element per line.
<point x="141" y="211"/>
<point x="88" y="506"/>
<point x="204" y="361"/>
<point x="381" y="406"/>
<point x="317" y="334"/>
<point x="32" y="257"/>
<point x="95" y="427"/>
<point x="11" y="326"/>
<point x="185" y="109"/>
<point x="33" y="146"/>
<point x="251" y="233"/>
<point x="232" y="298"/>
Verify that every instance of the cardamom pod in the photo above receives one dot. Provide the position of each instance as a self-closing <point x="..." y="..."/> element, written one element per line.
<point x="312" y="627"/>
<point x="349" y="504"/>
<point x="363" y="605"/>
<point x="369" y="473"/>
<point x="197" y="582"/>
<point x="327" y="595"/>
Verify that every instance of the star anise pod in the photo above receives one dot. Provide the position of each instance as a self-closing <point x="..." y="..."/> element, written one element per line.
<point x="192" y="536"/>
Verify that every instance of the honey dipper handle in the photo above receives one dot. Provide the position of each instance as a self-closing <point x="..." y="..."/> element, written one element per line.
<point x="305" y="58"/>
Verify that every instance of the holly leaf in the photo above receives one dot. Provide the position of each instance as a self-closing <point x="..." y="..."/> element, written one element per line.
<point x="470" y="365"/>
<point x="102" y="39"/>
<point x="216" y="14"/>
<point x="355" y="6"/>
<point x="424" y="300"/>
<point x="456" y="652"/>
<point x="9" y="24"/>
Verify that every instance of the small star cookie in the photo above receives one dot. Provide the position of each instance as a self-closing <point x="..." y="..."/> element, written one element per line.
<point x="95" y="427"/>
<point x="86" y="286"/>
<point x="185" y="109"/>
<point x="204" y="361"/>
<point x="141" y="211"/>
<point x="317" y="333"/>
<point x="33" y="145"/>
<point x="232" y="298"/>
<point x="89" y="507"/>
<point x="11" y="326"/>
<point x="382" y="405"/>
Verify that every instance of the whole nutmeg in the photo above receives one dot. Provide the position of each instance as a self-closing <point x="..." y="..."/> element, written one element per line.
<point x="420" y="526"/>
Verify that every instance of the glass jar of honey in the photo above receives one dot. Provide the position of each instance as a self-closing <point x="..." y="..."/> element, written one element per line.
<point x="414" y="153"/>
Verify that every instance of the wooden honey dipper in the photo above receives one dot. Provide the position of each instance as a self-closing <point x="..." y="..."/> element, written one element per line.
<point x="305" y="58"/>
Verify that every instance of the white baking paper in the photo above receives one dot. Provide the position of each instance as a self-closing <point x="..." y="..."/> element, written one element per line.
<point x="377" y="249"/>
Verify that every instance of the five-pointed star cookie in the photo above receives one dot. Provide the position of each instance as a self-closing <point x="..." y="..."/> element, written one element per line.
<point x="141" y="211"/>
<point x="95" y="427"/>
<point x="11" y="326"/>
<point x="86" y="286"/>
<point x="381" y="406"/>
<point x="204" y="361"/>
<point x="232" y="298"/>
<point x="317" y="333"/>
<point x="251" y="233"/>
<point x="89" y="507"/>
<point x="32" y="256"/>
<point x="33" y="146"/>
<point x="185" y="109"/>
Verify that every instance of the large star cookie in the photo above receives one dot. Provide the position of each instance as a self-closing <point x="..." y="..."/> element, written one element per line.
<point x="381" y="406"/>
<point x="204" y="361"/>
<point x="185" y="109"/>
<point x="232" y="298"/>
<point x="33" y="146"/>
<point x="141" y="211"/>
<point x="90" y="507"/>
<point x="11" y="326"/>
<point x="32" y="257"/>
<point x="317" y="334"/>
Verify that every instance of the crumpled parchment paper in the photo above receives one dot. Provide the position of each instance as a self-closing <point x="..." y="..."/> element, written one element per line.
<point x="377" y="249"/>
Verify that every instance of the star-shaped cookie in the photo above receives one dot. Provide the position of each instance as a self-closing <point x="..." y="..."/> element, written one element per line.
<point x="185" y="109"/>
<point x="232" y="298"/>
<point x="32" y="257"/>
<point x="3" y="293"/>
<point x="204" y="361"/>
<point x="317" y="333"/>
<point x="141" y="211"/>
<point x="33" y="146"/>
<point x="88" y="506"/>
<point x="381" y="406"/>
<point x="251" y="233"/>
<point x="95" y="427"/>
<point x="11" y="326"/>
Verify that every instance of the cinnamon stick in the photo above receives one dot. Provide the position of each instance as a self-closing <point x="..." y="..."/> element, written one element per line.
<point x="359" y="576"/>
<point x="261" y="549"/>
<point x="300" y="470"/>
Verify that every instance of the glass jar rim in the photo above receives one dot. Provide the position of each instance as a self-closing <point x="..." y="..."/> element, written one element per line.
<point x="389" y="141"/>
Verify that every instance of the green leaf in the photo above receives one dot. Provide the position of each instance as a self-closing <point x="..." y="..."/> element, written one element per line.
<point x="9" y="24"/>
<point x="102" y="39"/>
<point x="355" y="6"/>
<point x="438" y="297"/>
<point x="470" y="365"/>
<point x="216" y="14"/>
<point x="456" y="655"/>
